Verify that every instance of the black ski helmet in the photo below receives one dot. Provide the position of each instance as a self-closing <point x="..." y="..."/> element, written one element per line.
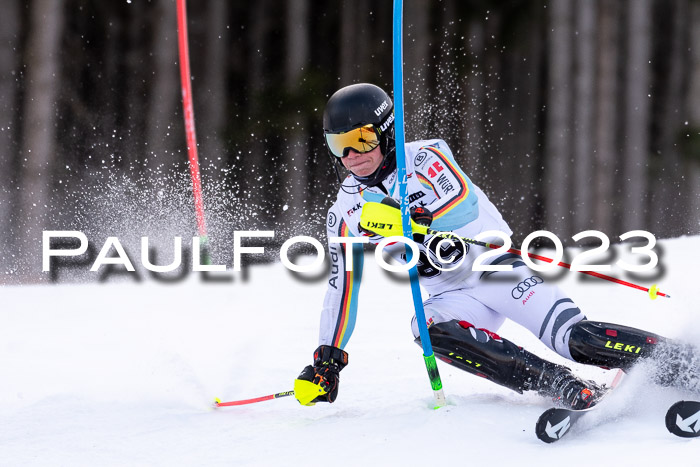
<point x="363" y="104"/>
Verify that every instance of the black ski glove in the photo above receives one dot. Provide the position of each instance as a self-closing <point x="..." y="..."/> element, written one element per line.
<point x="422" y="216"/>
<point x="319" y="382"/>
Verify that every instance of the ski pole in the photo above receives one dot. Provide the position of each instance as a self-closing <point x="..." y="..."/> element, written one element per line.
<point x="390" y="226"/>
<point x="218" y="403"/>
<point x="653" y="291"/>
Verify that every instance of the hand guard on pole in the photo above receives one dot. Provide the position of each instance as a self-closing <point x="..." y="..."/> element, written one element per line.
<point x="319" y="382"/>
<point x="421" y="216"/>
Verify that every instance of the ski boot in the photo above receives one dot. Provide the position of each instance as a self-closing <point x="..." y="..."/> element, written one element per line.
<point x="571" y="392"/>
<point x="486" y="354"/>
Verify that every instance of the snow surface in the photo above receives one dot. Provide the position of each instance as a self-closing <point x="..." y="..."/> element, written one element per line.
<point x="125" y="373"/>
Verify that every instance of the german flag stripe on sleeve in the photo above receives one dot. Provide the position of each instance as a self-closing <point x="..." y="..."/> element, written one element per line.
<point x="351" y="286"/>
<point x="463" y="190"/>
<point x="425" y="182"/>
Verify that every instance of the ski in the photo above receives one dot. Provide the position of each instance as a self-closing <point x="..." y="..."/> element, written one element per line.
<point x="683" y="419"/>
<point x="554" y="423"/>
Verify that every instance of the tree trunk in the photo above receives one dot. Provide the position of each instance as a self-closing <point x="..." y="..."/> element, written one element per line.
<point x="297" y="150"/>
<point x="39" y="129"/>
<point x="513" y="146"/>
<point x="448" y="100"/>
<point x="416" y="69"/>
<point x="670" y="188"/>
<point x="9" y="73"/>
<point x="212" y="96"/>
<point x="354" y="41"/>
<point x="473" y="133"/>
<point x="162" y="135"/>
<point x="491" y="71"/>
<point x="137" y="77"/>
<point x="636" y="129"/>
<point x="606" y="115"/>
<point x="585" y="71"/>
<point x="558" y="165"/>
<point x="693" y="127"/>
<point x="255" y="160"/>
<point x="527" y="135"/>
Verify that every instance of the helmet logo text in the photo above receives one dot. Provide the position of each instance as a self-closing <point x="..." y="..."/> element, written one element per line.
<point x="378" y="111"/>
<point x="386" y="124"/>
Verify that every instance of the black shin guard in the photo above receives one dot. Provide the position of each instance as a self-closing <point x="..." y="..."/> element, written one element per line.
<point x="611" y="345"/>
<point x="614" y="346"/>
<point x="489" y="356"/>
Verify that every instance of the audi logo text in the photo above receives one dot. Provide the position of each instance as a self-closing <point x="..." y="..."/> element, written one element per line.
<point x="524" y="286"/>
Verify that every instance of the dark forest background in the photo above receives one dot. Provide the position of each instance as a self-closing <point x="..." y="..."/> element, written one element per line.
<point x="570" y="114"/>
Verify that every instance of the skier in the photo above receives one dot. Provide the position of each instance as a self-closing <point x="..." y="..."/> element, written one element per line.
<point x="466" y="307"/>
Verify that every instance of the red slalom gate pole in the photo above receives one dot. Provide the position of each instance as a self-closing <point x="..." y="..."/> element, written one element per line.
<point x="218" y="403"/>
<point x="188" y="113"/>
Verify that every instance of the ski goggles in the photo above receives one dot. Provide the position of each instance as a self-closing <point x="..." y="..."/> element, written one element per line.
<point x="363" y="139"/>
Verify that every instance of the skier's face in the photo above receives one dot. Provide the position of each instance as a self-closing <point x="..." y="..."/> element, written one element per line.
<point x="363" y="164"/>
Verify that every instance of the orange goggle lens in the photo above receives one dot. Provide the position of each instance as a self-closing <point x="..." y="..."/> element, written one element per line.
<point x="362" y="140"/>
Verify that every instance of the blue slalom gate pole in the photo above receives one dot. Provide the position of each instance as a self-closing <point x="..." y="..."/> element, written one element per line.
<point x="428" y="355"/>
